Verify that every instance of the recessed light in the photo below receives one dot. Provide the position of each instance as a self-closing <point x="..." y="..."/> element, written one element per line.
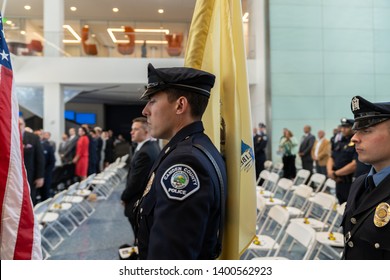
<point x="23" y="32"/>
<point x="73" y="9"/>
<point x="160" y="11"/>
<point x="9" y="22"/>
<point x="115" y="10"/>
<point x="27" y="7"/>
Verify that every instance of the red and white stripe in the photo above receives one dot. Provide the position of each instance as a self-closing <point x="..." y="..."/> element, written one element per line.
<point x="19" y="236"/>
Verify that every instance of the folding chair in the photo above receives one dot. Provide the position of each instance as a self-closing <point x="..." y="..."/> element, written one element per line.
<point x="268" y="165"/>
<point x="270" y="184"/>
<point x="316" y="181"/>
<point x="277" y="168"/>
<point x="263" y="177"/>
<point x="329" y="241"/>
<point x="301" y="177"/>
<point x="47" y="222"/>
<point x="63" y="209"/>
<point x="319" y="211"/>
<point x="299" y="234"/>
<point x="298" y="203"/>
<point x="267" y="243"/>
<point x="329" y="184"/>
<point x="282" y="187"/>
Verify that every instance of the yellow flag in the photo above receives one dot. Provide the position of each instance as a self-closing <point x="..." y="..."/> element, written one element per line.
<point x="216" y="45"/>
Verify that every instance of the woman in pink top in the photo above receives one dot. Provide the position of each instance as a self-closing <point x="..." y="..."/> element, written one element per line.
<point x="81" y="157"/>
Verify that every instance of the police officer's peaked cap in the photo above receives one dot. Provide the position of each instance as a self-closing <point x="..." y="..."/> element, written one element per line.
<point x="185" y="78"/>
<point x="368" y="114"/>
<point x="346" y="122"/>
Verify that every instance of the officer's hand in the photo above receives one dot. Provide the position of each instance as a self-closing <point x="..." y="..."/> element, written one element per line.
<point x="330" y="175"/>
<point x="39" y="182"/>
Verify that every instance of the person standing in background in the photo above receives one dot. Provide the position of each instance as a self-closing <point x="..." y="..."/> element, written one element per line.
<point x="321" y="152"/>
<point x="34" y="160"/>
<point x="260" y="141"/>
<point x="287" y="148"/>
<point x="142" y="161"/>
<point x="305" y="147"/>
<point x="50" y="160"/>
<point x="82" y="154"/>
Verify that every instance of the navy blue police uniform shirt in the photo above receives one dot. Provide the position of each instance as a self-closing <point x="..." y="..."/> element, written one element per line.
<point x="179" y="214"/>
<point x="343" y="153"/>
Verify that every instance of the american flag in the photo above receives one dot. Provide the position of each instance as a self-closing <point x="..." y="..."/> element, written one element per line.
<point x="19" y="234"/>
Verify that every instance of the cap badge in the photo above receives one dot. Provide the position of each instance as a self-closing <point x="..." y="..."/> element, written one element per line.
<point x="382" y="214"/>
<point x="355" y="104"/>
<point x="151" y="85"/>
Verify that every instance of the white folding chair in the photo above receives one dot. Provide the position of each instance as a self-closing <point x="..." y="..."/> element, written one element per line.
<point x="329" y="241"/>
<point x="329" y="184"/>
<point x="277" y="168"/>
<point x="268" y="242"/>
<point x="282" y="188"/>
<point x="298" y="234"/>
<point x="268" y="165"/>
<point x="270" y="184"/>
<point x="316" y="181"/>
<point x="63" y="209"/>
<point x="47" y="222"/>
<point x="318" y="212"/>
<point x="263" y="177"/>
<point x="298" y="203"/>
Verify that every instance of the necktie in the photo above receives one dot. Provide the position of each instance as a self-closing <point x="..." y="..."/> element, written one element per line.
<point x="370" y="185"/>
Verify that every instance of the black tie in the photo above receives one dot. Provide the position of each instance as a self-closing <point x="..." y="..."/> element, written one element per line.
<point x="370" y="185"/>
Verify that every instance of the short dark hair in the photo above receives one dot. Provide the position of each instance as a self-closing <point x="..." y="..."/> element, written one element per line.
<point x="198" y="102"/>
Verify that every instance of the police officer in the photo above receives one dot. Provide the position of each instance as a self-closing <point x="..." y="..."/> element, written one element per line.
<point x="181" y="211"/>
<point x="260" y="141"/>
<point x="367" y="214"/>
<point x="341" y="164"/>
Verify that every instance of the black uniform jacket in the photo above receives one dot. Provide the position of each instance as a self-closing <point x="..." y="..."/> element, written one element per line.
<point x="139" y="169"/>
<point x="369" y="242"/>
<point x="179" y="217"/>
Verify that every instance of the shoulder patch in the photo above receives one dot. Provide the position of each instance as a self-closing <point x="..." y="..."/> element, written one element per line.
<point x="180" y="181"/>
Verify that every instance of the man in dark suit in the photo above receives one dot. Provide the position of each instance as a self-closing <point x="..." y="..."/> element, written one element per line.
<point x="34" y="160"/>
<point x="260" y="141"/>
<point x="305" y="147"/>
<point x="366" y="222"/>
<point x="142" y="161"/>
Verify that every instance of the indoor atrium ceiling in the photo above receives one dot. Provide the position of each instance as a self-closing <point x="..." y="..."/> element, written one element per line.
<point x="175" y="11"/>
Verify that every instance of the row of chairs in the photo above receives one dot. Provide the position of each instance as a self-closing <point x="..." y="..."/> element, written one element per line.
<point x="58" y="217"/>
<point x="299" y="210"/>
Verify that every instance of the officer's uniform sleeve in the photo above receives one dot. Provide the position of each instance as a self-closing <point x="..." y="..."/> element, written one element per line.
<point x="184" y="198"/>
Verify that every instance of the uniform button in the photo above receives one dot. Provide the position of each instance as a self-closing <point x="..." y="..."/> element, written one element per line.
<point x="377" y="245"/>
<point x="353" y="220"/>
<point x="140" y="210"/>
<point x="350" y="244"/>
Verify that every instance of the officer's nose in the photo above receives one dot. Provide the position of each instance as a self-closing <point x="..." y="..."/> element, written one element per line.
<point x="355" y="138"/>
<point x="145" y="111"/>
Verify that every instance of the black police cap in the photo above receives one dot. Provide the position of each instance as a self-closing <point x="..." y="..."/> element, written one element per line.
<point x="185" y="78"/>
<point x="346" y="122"/>
<point x="367" y="113"/>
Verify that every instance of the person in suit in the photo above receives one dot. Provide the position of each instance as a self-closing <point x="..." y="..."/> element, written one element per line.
<point x="34" y="160"/>
<point x="260" y="140"/>
<point x="70" y="148"/>
<point x="341" y="165"/>
<point x="305" y="147"/>
<point x="366" y="219"/>
<point x="142" y="161"/>
<point x="50" y="161"/>
<point x="181" y="212"/>
<point x="321" y="152"/>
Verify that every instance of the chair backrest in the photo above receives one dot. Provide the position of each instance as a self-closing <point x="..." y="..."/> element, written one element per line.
<point x="279" y="215"/>
<point x="329" y="183"/>
<point x="268" y="165"/>
<point x="277" y="168"/>
<point x="316" y="181"/>
<point x="72" y="188"/>
<point x="302" y="192"/>
<point x="174" y="44"/>
<point x="41" y="208"/>
<point x="90" y="49"/>
<point x="272" y="181"/>
<point x="285" y="184"/>
<point x="127" y="48"/>
<point x="300" y="233"/>
<point x="59" y="197"/>
<point x="124" y="158"/>
<point x="301" y="177"/>
<point x="264" y="174"/>
<point x="326" y="201"/>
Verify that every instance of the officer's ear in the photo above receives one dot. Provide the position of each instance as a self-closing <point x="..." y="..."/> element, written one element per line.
<point x="182" y="105"/>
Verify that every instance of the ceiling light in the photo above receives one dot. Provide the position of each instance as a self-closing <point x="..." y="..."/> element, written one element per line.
<point x="245" y="17"/>
<point x="152" y="42"/>
<point x="74" y="33"/>
<point x="23" y="32"/>
<point x="111" y="32"/>
<point x="73" y="9"/>
<point x="9" y="22"/>
<point x="115" y="10"/>
<point x="160" y="11"/>
<point x="27" y="7"/>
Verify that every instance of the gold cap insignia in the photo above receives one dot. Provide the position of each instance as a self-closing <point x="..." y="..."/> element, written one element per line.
<point x="382" y="214"/>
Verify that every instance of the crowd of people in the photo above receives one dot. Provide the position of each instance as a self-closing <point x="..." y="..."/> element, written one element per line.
<point x="83" y="151"/>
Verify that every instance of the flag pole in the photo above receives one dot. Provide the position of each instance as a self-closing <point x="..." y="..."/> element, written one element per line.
<point x="3" y="8"/>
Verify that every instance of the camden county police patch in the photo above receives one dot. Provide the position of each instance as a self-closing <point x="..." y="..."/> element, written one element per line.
<point x="180" y="181"/>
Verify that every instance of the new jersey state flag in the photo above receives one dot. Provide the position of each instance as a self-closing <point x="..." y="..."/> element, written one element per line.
<point x="216" y="45"/>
